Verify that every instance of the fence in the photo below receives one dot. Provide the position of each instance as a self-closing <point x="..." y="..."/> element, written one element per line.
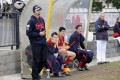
<point x="9" y="29"/>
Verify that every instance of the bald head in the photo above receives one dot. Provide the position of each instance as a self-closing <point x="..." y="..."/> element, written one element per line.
<point x="102" y="16"/>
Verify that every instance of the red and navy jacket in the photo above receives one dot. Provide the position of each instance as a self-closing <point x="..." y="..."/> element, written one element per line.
<point x="116" y="28"/>
<point x="75" y="41"/>
<point x="51" y="48"/>
<point x="33" y="29"/>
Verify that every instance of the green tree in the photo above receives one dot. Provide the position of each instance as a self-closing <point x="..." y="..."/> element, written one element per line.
<point x="97" y="6"/>
<point x="115" y="3"/>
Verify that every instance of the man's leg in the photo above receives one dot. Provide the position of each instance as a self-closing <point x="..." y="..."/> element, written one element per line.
<point x="104" y="43"/>
<point x="99" y="51"/>
<point x="43" y="57"/>
<point x="53" y="64"/>
<point x="118" y="38"/>
<point x="71" y="56"/>
<point x="63" y="52"/>
<point x="36" y="61"/>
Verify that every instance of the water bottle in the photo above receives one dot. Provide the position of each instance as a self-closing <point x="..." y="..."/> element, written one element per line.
<point x="48" y="73"/>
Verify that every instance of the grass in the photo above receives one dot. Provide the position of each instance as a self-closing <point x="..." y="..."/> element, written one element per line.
<point x="109" y="71"/>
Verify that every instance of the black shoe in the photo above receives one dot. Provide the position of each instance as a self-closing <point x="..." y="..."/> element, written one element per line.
<point x="86" y="68"/>
<point x="59" y="75"/>
<point x="56" y="75"/>
<point x="100" y="63"/>
<point x="80" y="68"/>
<point x="106" y="62"/>
<point x="62" y="74"/>
<point x="38" y="78"/>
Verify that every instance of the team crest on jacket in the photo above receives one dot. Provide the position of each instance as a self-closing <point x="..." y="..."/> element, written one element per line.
<point x="39" y="26"/>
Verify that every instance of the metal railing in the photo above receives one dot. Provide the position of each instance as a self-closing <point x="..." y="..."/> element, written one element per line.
<point x="9" y="29"/>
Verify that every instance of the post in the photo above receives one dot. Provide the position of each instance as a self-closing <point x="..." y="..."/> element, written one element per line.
<point x="88" y="24"/>
<point x="48" y="18"/>
<point x="17" y="30"/>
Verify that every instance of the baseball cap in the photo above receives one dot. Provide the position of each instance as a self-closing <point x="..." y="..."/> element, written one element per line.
<point x="36" y="7"/>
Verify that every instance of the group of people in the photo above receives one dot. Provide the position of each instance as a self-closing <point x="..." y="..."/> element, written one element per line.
<point x="101" y="28"/>
<point x="6" y="8"/>
<point x="56" y="53"/>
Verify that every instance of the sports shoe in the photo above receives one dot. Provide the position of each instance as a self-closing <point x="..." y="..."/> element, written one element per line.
<point x="80" y="68"/>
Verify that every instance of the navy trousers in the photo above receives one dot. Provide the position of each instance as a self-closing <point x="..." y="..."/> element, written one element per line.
<point x="40" y="53"/>
<point x="55" y="63"/>
<point x="84" y="56"/>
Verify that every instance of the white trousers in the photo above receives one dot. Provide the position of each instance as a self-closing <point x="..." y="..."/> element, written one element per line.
<point x="101" y="50"/>
<point x="118" y="38"/>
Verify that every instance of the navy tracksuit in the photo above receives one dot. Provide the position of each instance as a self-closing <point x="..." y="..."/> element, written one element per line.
<point x="75" y="41"/>
<point x="116" y="28"/>
<point x="54" y="63"/>
<point x="38" y="44"/>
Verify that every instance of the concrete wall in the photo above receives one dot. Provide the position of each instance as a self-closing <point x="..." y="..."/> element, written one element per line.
<point x="113" y="48"/>
<point x="9" y="62"/>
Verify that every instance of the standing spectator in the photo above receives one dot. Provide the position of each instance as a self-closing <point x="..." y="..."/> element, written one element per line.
<point x="36" y="33"/>
<point x="116" y="30"/>
<point x="101" y="27"/>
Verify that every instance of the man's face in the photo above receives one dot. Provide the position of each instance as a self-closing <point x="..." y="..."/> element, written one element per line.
<point x="102" y="17"/>
<point x="54" y="39"/>
<point x="79" y="30"/>
<point x="119" y="20"/>
<point x="37" y="12"/>
<point x="63" y="32"/>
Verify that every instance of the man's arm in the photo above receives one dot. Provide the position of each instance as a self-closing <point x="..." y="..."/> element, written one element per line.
<point x="106" y="27"/>
<point x="98" y="27"/>
<point x="52" y="50"/>
<point x="29" y="30"/>
<point x="82" y="39"/>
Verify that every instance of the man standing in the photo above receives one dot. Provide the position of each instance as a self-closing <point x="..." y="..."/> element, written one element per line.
<point x="101" y="27"/>
<point x="35" y="31"/>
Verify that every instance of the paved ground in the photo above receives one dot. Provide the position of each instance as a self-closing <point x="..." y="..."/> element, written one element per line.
<point x="81" y="75"/>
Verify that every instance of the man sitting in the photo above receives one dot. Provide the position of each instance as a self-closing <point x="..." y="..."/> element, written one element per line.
<point x="55" y="60"/>
<point x="63" y="49"/>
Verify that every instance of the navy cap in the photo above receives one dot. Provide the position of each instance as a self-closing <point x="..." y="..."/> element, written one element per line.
<point x="36" y="7"/>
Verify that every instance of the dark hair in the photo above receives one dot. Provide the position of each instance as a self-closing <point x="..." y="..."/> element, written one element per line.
<point x="54" y="33"/>
<point x="77" y="26"/>
<point x="61" y="28"/>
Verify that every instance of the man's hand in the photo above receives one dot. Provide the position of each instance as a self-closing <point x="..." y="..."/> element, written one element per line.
<point x="42" y="33"/>
<point x="67" y="47"/>
<point x="56" y="54"/>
